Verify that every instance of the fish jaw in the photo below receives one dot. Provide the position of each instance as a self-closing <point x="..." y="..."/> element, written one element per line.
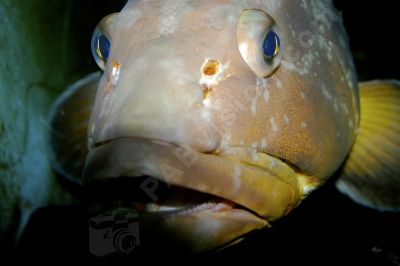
<point x="248" y="196"/>
<point x="213" y="227"/>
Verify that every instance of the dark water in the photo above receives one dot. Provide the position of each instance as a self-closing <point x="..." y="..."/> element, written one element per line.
<point x="327" y="229"/>
<point x="372" y="27"/>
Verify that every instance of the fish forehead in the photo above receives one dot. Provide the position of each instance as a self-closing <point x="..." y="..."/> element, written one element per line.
<point x="307" y="111"/>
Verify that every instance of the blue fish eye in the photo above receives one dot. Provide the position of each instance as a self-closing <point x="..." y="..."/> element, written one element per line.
<point x="271" y="45"/>
<point x="103" y="47"/>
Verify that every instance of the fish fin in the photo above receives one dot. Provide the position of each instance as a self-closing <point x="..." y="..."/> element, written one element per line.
<point x="371" y="174"/>
<point x="69" y="119"/>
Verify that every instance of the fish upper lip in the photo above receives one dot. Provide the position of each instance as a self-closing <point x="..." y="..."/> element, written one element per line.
<point x="144" y="139"/>
<point x="266" y="192"/>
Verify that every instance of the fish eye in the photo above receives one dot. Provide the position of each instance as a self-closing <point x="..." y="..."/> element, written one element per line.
<point x="259" y="42"/>
<point x="271" y="45"/>
<point x="101" y="41"/>
<point x="102" y="47"/>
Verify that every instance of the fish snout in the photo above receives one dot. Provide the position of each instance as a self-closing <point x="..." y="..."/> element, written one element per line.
<point x="156" y="95"/>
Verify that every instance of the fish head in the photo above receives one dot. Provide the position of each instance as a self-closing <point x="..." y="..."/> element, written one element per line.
<point x="241" y="107"/>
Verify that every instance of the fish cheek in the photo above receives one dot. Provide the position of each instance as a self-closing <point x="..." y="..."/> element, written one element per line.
<point x="231" y="102"/>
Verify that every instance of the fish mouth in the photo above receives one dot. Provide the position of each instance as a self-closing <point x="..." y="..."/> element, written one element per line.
<point x="149" y="195"/>
<point x="226" y="193"/>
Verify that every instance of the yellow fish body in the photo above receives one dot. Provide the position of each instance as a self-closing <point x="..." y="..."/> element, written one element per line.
<point x="241" y="108"/>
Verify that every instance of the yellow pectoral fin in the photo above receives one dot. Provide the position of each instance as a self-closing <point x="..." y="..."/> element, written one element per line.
<point x="68" y="120"/>
<point x="371" y="175"/>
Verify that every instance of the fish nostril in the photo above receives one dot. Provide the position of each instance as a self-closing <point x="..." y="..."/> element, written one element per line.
<point x="210" y="75"/>
<point x="114" y="74"/>
<point x="210" y="68"/>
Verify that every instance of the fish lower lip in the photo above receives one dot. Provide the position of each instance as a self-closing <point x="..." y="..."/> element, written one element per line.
<point x="168" y="211"/>
<point x="169" y="201"/>
<point x="192" y="227"/>
<point x="270" y="193"/>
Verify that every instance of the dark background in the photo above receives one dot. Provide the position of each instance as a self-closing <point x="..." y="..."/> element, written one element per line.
<point x="327" y="229"/>
<point x="372" y="27"/>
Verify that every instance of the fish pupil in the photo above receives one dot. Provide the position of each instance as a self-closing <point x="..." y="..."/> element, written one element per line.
<point x="103" y="47"/>
<point x="271" y="44"/>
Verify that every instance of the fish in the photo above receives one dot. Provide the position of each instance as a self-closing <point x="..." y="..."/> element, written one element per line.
<point x="217" y="118"/>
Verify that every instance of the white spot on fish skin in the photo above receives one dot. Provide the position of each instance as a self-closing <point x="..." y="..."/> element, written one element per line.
<point x="168" y="25"/>
<point x="237" y="171"/>
<point x="266" y="95"/>
<point x="351" y="124"/>
<point x="336" y="105"/>
<point x="303" y="125"/>
<point x="263" y="143"/>
<point x="289" y="65"/>
<point x="349" y="79"/>
<point x="338" y="134"/>
<point x="264" y="83"/>
<point x="258" y="82"/>
<point x="286" y="118"/>
<point x="330" y="55"/>
<point x="325" y="45"/>
<point x="279" y="83"/>
<point x="241" y="143"/>
<point x="306" y="63"/>
<point x="326" y="94"/>
<point x="274" y="125"/>
<point x="254" y="107"/>
<point x="303" y="95"/>
<point x="345" y="108"/>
